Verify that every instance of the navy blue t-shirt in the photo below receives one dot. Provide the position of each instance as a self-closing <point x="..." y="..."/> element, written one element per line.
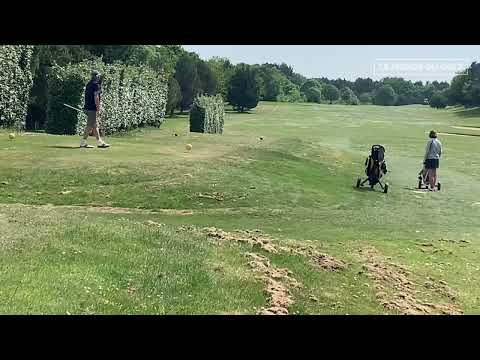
<point x="90" y="90"/>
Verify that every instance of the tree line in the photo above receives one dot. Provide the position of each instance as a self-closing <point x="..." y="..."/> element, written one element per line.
<point x="243" y="85"/>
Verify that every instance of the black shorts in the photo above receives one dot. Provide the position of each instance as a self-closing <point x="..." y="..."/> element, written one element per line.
<point x="432" y="163"/>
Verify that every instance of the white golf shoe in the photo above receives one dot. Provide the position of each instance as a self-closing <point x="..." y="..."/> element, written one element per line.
<point x="83" y="144"/>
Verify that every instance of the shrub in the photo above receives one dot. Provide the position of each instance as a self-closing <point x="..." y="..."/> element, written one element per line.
<point x="132" y="96"/>
<point x="309" y="84"/>
<point x="15" y="84"/>
<point x="312" y="90"/>
<point x="403" y="100"/>
<point x="207" y="115"/>
<point x="330" y="92"/>
<point x="438" y="100"/>
<point x="291" y="93"/>
<point x="313" y="94"/>
<point x="365" y="98"/>
<point x="385" y="95"/>
<point x="348" y="96"/>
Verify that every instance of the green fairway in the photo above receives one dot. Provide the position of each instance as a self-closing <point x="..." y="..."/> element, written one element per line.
<point x="121" y="230"/>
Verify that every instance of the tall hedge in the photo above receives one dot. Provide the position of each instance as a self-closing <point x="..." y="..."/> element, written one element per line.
<point x="132" y="96"/>
<point x="207" y="115"/>
<point x="16" y="81"/>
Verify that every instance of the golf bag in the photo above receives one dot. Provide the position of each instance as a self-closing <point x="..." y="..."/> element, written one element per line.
<point x="375" y="168"/>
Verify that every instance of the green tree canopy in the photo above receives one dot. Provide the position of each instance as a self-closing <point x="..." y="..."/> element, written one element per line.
<point x="243" y="92"/>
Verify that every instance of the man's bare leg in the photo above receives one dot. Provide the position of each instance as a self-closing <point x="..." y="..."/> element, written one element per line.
<point x="83" y="142"/>
<point x="100" y="142"/>
<point x="86" y="132"/>
<point x="96" y="133"/>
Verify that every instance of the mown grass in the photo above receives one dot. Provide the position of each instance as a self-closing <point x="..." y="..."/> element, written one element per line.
<point x="295" y="185"/>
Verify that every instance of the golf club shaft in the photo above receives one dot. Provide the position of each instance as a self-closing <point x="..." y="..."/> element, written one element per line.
<point x="74" y="108"/>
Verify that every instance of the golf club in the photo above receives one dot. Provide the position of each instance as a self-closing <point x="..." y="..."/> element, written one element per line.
<point x="74" y="108"/>
<point x="101" y="133"/>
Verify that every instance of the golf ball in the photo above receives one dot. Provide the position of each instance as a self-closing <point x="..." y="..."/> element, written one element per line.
<point x="11" y="136"/>
<point x="189" y="146"/>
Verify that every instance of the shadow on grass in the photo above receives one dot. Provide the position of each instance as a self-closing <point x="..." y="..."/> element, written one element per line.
<point x="369" y="189"/>
<point x="63" y="147"/>
<point x="415" y="189"/>
<point x="363" y="188"/>
<point x="468" y="113"/>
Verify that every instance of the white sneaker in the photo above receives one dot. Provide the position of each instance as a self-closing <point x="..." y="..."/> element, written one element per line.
<point x="83" y="144"/>
<point x="102" y="145"/>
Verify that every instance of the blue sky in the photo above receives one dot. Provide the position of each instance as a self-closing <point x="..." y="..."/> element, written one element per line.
<point x="348" y="61"/>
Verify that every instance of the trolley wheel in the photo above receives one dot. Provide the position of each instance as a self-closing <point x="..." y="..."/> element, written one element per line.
<point x="358" y="182"/>
<point x="385" y="188"/>
<point x="420" y="184"/>
<point x="439" y="186"/>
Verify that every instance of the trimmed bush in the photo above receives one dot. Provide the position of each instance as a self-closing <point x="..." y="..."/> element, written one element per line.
<point x="16" y="81"/>
<point x="132" y="96"/>
<point x="207" y="115"/>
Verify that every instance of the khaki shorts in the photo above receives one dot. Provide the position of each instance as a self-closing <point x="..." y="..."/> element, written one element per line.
<point x="91" y="119"/>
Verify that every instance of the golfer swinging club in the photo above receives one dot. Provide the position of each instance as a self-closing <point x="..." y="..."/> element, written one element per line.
<point x="433" y="152"/>
<point x="92" y="109"/>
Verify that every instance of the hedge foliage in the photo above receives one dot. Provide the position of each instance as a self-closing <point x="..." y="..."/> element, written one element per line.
<point x="132" y="96"/>
<point x="16" y="81"/>
<point x="207" y="115"/>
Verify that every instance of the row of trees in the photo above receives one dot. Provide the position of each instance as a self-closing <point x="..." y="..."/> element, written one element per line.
<point x="244" y="85"/>
<point x="463" y="90"/>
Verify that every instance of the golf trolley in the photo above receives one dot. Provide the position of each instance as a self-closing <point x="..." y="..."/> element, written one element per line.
<point x="423" y="180"/>
<point x="375" y="168"/>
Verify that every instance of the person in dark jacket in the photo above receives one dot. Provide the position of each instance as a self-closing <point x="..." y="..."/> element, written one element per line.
<point x="92" y="109"/>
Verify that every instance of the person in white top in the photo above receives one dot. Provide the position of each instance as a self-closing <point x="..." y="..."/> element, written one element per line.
<point x="433" y="152"/>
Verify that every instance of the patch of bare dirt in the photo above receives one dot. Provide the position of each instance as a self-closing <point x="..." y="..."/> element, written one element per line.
<point x="278" y="284"/>
<point x="99" y="208"/>
<point x="219" y="196"/>
<point x="455" y="241"/>
<point x="430" y="248"/>
<point x="325" y="261"/>
<point x="254" y="238"/>
<point x="257" y="238"/>
<point x="189" y="228"/>
<point x="397" y="292"/>
<point x="153" y="223"/>
<point x="106" y="209"/>
<point x="278" y="281"/>
<point x="440" y="287"/>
